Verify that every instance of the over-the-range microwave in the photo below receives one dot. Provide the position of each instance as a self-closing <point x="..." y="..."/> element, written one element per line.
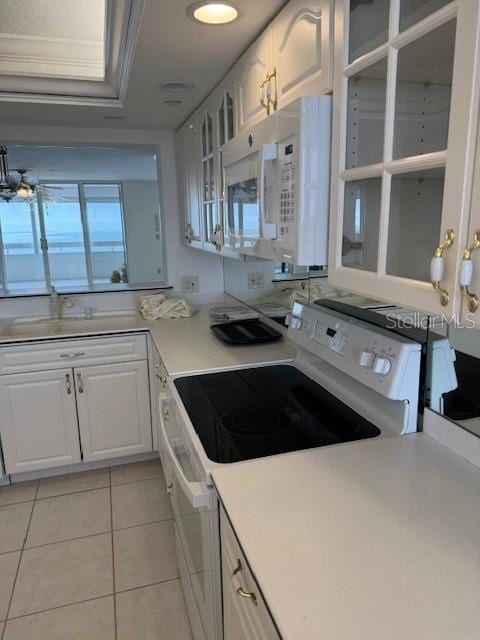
<point x="276" y="181"/>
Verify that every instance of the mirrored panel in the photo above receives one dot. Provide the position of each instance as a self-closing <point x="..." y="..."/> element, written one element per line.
<point x="269" y="287"/>
<point x="453" y="374"/>
<point x="80" y="218"/>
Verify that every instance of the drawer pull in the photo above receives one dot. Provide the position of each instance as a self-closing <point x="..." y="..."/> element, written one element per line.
<point x="80" y="383"/>
<point x="238" y="568"/>
<point x="68" y="383"/>
<point x="78" y="354"/>
<point x="247" y="594"/>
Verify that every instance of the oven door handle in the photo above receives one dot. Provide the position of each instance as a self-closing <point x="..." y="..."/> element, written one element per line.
<point x="196" y="492"/>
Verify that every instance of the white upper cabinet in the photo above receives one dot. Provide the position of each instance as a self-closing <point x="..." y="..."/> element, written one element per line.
<point x="291" y="58"/>
<point x="406" y="81"/>
<point x="188" y="150"/>
<point x="250" y="74"/>
<point x="301" y="49"/>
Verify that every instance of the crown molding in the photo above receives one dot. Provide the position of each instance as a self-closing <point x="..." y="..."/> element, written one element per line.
<point x="108" y="90"/>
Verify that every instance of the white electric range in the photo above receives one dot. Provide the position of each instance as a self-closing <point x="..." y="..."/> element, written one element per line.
<point x="349" y="381"/>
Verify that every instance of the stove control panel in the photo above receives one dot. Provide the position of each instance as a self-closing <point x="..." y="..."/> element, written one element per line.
<point x="378" y="358"/>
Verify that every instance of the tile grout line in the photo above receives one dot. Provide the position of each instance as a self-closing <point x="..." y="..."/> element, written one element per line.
<point x="90" y="535"/>
<point x="106" y="595"/>
<point x="60" y="606"/>
<point x="19" y="563"/>
<point x="70" y="493"/>
<point x="113" y="559"/>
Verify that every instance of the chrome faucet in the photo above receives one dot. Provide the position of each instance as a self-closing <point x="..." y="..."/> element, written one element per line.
<point x="58" y="303"/>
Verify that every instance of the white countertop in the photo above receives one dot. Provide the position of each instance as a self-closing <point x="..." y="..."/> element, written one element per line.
<point x="373" y="540"/>
<point x="185" y="345"/>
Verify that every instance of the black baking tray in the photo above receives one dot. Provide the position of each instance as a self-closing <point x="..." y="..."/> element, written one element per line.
<point x="245" y="332"/>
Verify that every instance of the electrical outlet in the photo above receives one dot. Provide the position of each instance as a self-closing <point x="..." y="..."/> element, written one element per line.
<point x="256" y="280"/>
<point x="190" y="284"/>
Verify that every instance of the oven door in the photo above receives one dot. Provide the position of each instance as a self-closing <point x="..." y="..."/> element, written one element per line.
<point x="196" y="523"/>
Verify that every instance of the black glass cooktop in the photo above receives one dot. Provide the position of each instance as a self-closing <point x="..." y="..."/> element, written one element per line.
<point x="253" y="413"/>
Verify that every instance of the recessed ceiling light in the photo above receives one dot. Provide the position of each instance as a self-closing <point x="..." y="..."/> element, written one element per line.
<point x="176" y="86"/>
<point x="114" y="117"/>
<point x="213" y="12"/>
<point x="172" y="103"/>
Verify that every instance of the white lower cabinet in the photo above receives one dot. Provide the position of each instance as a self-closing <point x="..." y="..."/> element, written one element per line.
<point x="113" y="410"/>
<point x="60" y="416"/>
<point x="38" y="417"/>
<point x="245" y="614"/>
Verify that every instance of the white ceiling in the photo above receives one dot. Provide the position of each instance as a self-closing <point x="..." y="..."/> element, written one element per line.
<point x="49" y="163"/>
<point x="53" y="18"/>
<point x="171" y="46"/>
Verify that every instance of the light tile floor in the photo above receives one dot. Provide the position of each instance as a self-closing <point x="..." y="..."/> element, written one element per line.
<point x="90" y="556"/>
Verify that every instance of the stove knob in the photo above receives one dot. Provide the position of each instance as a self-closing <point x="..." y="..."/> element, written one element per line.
<point x="382" y="366"/>
<point x="366" y="359"/>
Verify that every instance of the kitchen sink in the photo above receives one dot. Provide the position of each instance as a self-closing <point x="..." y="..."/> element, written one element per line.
<point x="73" y="324"/>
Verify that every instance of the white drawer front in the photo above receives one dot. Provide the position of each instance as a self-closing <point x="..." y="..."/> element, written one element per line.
<point x="56" y="354"/>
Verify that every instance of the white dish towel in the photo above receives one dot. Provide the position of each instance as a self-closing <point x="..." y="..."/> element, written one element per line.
<point x="159" y="306"/>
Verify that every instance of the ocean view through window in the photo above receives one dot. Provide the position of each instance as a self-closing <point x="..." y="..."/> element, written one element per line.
<point x="68" y="235"/>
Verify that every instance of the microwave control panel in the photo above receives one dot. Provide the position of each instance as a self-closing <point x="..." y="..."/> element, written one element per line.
<point x="287" y="166"/>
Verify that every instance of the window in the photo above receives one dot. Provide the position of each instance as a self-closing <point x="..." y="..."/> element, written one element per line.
<point x="71" y="235"/>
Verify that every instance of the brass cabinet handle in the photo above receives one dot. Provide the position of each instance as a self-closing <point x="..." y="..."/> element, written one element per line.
<point x="437" y="267"/>
<point x="266" y="99"/>
<point x="466" y="273"/>
<point x="238" y="568"/>
<point x="68" y="383"/>
<point x="247" y="594"/>
<point x="80" y="383"/>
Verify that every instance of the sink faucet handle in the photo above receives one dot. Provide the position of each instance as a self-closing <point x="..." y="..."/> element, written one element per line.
<point x="67" y="302"/>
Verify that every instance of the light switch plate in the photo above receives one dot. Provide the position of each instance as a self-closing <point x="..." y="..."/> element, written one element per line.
<point x="190" y="284"/>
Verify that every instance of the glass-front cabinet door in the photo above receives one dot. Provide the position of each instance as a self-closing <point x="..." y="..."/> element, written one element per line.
<point x="406" y="76"/>
<point x="188" y="169"/>
<point x="208" y="183"/>
<point x="225" y="131"/>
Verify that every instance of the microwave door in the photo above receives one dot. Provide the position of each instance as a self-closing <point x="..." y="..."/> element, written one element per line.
<point x="243" y="212"/>
<point x="268" y="191"/>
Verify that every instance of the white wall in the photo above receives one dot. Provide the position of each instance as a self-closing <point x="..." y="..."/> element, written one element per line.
<point x="180" y="260"/>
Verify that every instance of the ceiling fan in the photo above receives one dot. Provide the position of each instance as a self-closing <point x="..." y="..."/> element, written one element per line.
<point x="12" y="187"/>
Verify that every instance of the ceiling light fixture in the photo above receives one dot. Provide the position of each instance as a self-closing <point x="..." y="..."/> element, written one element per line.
<point x="211" y="12"/>
<point x="172" y="103"/>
